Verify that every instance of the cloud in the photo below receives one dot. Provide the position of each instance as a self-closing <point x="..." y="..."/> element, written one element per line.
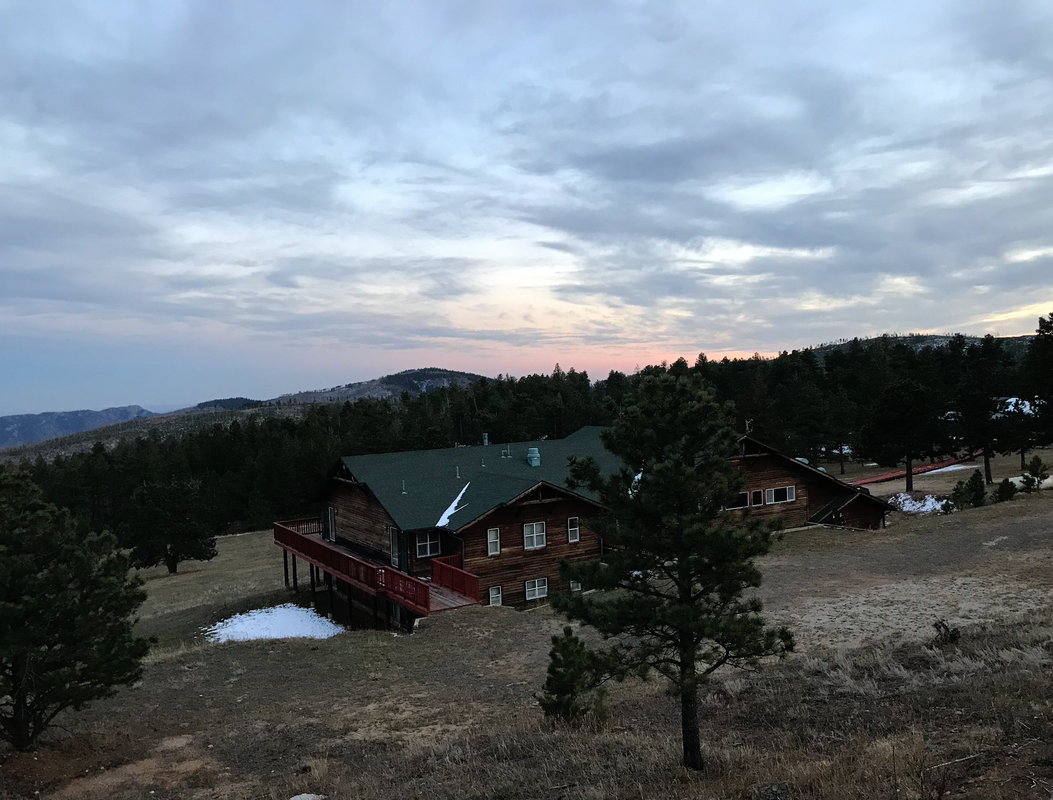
<point x="522" y="179"/>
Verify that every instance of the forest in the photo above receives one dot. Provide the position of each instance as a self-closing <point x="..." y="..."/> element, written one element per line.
<point x="879" y="399"/>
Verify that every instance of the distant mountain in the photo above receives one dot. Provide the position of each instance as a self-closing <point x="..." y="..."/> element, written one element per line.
<point x="414" y="381"/>
<point x="23" y="429"/>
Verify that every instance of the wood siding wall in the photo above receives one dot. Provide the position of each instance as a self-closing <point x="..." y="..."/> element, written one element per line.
<point x="361" y="520"/>
<point x="765" y="471"/>
<point x="515" y="565"/>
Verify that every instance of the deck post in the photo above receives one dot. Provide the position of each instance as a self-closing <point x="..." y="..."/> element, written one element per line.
<point x="295" y="586"/>
<point x="329" y="593"/>
<point x="285" y="563"/>
<point x="314" y="602"/>
<point x="350" y="608"/>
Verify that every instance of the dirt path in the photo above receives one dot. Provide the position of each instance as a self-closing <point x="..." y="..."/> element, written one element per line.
<point x="834" y="589"/>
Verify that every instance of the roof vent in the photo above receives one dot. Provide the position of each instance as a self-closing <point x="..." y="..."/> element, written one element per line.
<point x="533" y="457"/>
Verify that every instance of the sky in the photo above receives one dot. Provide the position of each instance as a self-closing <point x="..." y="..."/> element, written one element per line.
<point x="218" y="198"/>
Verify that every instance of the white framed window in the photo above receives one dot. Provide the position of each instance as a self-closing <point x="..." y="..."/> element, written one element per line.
<point x="495" y="595"/>
<point x="533" y="535"/>
<point x="537" y="588"/>
<point x="428" y="544"/>
<point x="784" y="494"/>
<point x="741" y="501"/>
<point x="493" y="542"/>
<point x="757" y="497"/>
<point x="573" y="530"/>
<point x="393" y="533"/>
<point x="575" y="586"/>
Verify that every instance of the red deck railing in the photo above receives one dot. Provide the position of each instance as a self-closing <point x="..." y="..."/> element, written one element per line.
<point x="297" y="537"/>
<point x="453" y="561"/>
<point x="454" y="579"/>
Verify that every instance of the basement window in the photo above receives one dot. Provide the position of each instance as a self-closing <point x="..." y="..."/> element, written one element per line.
<point x="573" y="530"/>
<point x="741" y="501"/>
<point x="575" y="586"/>
<point x="428" y="544"/>
<point x="493" y="542"/>
<point x="495" y="595"/>
<point x="784" y="494"/>
<point x="533" y="535"/>
<point x="537" y="588"/>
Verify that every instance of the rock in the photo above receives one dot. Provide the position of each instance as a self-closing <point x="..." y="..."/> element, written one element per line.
<point x="308" y="797"/>
<point x="774" y="791"/>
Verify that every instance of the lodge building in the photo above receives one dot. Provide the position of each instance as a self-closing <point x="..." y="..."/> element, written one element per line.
<point x="405" y="535"/>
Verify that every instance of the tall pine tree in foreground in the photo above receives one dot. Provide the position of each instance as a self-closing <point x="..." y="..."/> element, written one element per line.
<point x="671" y="586"/>
<point x="66" y="613"/>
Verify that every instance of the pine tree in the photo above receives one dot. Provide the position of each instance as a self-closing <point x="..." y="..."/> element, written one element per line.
<point x="66" y="613"/>
<point x="572" y="688"/>
<point x="671" y="585"/>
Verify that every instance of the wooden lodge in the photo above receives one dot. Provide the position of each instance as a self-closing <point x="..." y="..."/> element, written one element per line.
<point x="405" y="535"/>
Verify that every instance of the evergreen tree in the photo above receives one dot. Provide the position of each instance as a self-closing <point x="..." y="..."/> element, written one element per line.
<point x="575" y="675"/>
<point x="903" y="427"/>
<point x="167" y="525"/>
<point x="671" y="585"/>
<point x="66" y="606"/>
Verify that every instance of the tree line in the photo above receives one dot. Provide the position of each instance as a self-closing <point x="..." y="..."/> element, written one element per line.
<point x="879" y="399"/>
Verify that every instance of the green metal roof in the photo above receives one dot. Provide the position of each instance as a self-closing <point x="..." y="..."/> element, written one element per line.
<point x="455" y="485"/>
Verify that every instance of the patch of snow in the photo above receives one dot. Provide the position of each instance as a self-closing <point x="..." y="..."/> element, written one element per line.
<point x="1016" y="404"/>
<point x="871" y="464"/>
<point x="951" y="468"/>
<point x="453" y="508"/>
<point x="907" y="504"/>
<point x="995" y="541"/>
<point x="635" y="485"/>
<point x="286" y="621"/>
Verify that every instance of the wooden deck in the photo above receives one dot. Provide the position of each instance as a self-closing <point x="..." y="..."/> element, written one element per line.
<point x="302" y="539"/>
<point x="444" y="600"/>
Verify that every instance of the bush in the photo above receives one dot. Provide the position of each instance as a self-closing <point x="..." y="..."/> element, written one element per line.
<point x="1005" y="491"/>
<point x="971" y="493"/>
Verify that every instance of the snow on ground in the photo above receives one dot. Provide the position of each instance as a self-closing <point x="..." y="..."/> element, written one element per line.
<point x="951" y="468"/>
<point x="281" y="622"/>
<point x="905" y="503"/>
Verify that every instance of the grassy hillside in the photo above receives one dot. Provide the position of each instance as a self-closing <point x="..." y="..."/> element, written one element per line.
<point x="869" y="707"/>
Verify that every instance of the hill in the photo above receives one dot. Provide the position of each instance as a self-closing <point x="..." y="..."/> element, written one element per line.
<point x="1016" y="346"/>
<point x="223" y="412"/>
<point x="389" y="387"/>
<point x="26" y="429"/>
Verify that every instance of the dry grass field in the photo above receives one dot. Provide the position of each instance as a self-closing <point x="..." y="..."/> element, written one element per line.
<point x="867" y="708"/>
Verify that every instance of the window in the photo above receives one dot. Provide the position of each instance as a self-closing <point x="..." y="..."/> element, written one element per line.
<point x="575" y="586"/>
<point x="427" y="544"/>
<point x="784" y="494"/>
<point x="495" y="595"/>
<point x="573" y="530"/>
<point x="533" y="535"/>
<point x="394" y="534"/>
<point x="757" y="498"/>
<point x="493" y="542"/>
<point x="741" y="501"/>
<point x="536" y="589"/>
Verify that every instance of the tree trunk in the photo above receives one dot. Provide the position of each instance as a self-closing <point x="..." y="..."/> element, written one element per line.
<point x="987" y="466"/>
<point x="689" y="726"/>
<point x="1023" y="463"/>
<point x="842" y="459"/>
<point x="910" y="474"/>
<point x="171" y="562"/>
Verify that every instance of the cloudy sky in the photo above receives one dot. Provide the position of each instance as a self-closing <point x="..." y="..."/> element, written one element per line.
<point x="216" y="198"/>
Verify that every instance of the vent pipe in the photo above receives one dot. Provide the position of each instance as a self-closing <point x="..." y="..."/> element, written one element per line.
<point x="533" y="457"/>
